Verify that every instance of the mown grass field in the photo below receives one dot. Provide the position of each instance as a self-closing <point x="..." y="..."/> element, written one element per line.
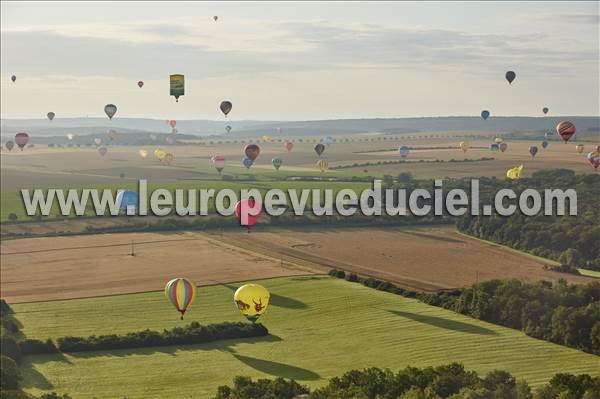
<point x="320" y="327"/>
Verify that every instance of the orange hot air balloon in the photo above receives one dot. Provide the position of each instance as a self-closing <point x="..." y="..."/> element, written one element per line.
<point x="565" y="130"/>
<point x="252" y="151"/>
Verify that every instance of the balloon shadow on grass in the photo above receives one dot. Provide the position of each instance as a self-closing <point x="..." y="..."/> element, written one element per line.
<point x="278" y="300"/>
<point x="278" y="369"/>
<point x="447" y="324"/>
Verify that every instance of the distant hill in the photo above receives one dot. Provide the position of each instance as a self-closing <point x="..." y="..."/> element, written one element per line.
<point x="89" y="126"/>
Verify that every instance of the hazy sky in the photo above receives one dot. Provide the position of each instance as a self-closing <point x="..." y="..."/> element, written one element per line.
<point x="300" y="60"/>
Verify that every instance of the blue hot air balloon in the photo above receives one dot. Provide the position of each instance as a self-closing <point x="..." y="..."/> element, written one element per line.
<point x="247" y="162"/>
<point x="127" y="198"/>
<point x="485" y="114"/>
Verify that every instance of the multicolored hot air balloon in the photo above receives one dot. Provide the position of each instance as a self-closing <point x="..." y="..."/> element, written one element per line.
<point x="288" y="145"/>
<point x="226" y="107"/>
<point x="127" y="199"/>
<point x="252" y="151"/>
<point x="143" y="153"/>
<point x="545" y="110"/>
<point x="247" y="162"/>
<point x="21" y="139"/>
<point x="319" y="148"/>
<point x="533" y="150"/>
<point x="403" y="151"/>
<point x="110" y="110"/>
<point x="464" y="146"/>
<point x="50" y="115"/>
<point x="565" y="130"/>
<point x="485" y="114"/>
<point x="514" y="173"/>
<point x="503" y="146"/>
<point x="13" y="78"/>
<point x="248" y="212"/>
<point x="252" y="300"/>
<point x="579" y="148"/>
<point x="277" y="162"/>
<point x="140" y="84"/>
<point x="9" y="145"/>
<point x="594" y="158"/>
<point x="177" y="86"/>
<point x="219" y="162"/>
<point x="510" y="76"/>
<point x="323" y="165"/>
<point x="102" y="151"/>
<point x="181" y="292"/>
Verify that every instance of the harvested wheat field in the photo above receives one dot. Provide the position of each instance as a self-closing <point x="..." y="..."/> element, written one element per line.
<point x="40" y="269"/>
<point x="421" y="258"/>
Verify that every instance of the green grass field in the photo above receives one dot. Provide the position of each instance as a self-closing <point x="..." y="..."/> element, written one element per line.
<point x="320" y="327"/>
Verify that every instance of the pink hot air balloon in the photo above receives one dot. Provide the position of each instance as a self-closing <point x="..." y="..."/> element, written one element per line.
<point x="173" y="123"/>
<point x="289" y="145"/>
<point x="248" y="212"/>
<point x="140" y="84"/>
<point x="21" y="139"/>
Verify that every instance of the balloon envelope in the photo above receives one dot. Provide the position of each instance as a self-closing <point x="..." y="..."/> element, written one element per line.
<point x="545" y="110"/>
<point x="127" y="198"/>
<point x="13" y="78"/>
<point x="252" y="151"/>
<point x="565" y="130"/>
<point x="403" y="151"/>
<point x="21" y="139"/>
<point x="181" y="292"/>
<point x="247" y="162"/>
<point x="173" y="123"/>
<point x="327" y="140"/>
<point x="514" y="173"/>
<point x="226" y="107"/>
<point x="50" y="115"/>
<point x="177" y="86"/>
<point x="503" y="146"/>
<point x="276" y="163"/>
<point x="533" y="150"/>
<point x="167" y="158"/>
<point x="485" y="114"/>
<point x="323" y="165"/>
<point x="110" y="110"/>
<point x="544" y="144"/>
<point x="319" y="148"/>
<point x="219" y="162"/>
<point x="97" y="141"/>
<point x="102" y="151"/>
<point x="289" y="145"/>
<point x="143" y="153"/>
<point x="252" y="300"/>
<point x="494" y="147"/>
<point x="247" y="212"/>
<point x="510" y="76"/>
<point x="464" y="145"/>
<point x="10" y="145"/>
<point x="594" y="159"/>
<point x="579" y="148"/>
<point x="140" y="84"/>
<point x="228" y="128"/>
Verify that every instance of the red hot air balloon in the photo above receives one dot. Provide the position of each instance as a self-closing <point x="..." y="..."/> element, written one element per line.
<point x="226" y="107"/>
<point x="289" y="145"/>
<point x="248" y="212"/>
<point x="252" y="151"/>
<point x="140" y="84"/>
<point x="21" y="139"/>
<point x="565" y="130"/>
<point x="173" y="123"/>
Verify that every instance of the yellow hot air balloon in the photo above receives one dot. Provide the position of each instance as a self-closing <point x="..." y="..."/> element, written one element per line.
<point x="252" y="300"/>
<point x="498" y="140"/>
<point x="464" y="145"/>
<point x="514" y="173"/>
<point x="266" y="139"/>
<point x="160" y="154"/>
<point x="323" y="165"/>
<point x="181" y="292"/>
<point x="143" y="153"/>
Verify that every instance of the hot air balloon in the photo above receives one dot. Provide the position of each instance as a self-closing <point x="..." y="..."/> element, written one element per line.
<point x="102" y="151"/>
<point x="226" y="107"/>
<point x="533" y="150"/>
<point x="464" y="145"/>
<point x="50" y="115"/>
<point x="70" y="136"/>
<point x="494" y="147"/>
<point x="276" y="162"/>
<point x="177" y="86"/>
<point x="510" y="76"/>
<point x="140" y="84"/>
<point x="219" y="163"/>
<point x="167" y="159"/>
<point x="143" y="153"/>
<point x="579" y="148"/>
<point x="485" y="114"/>
<point x="323" y="165"/>
<point x="111" y="134"/>
<point x="544" y="144"/>
<point x="503" y="146"/>
<point x="498" y="140"/>
<point x="565" y="130"/>
<point x="594" y="159"/>
<point x="181" y="292"/>
<point x="248" y="212"/>
<point x="228" y="128"/>
<point x="545" y="110"/>
<point x="289" y="145"/>
<point x="127" y="199"/>
<point x="173" y="123"/>
<point x="266" y="139"/>
<point x="13" y="78"/>
<point x="514" y="173"/>
<point x="110" y="110"/>
<point x="403" y="151"/>
<point x="21" y="139"/>
<point x="159" y="154"/>
<point x="328" y="140"/>
<point x="216" y="18"/>
<point x="319" y="148"/>
<point x="9" y="145"/>
<point x="247" y="162"/>
<point x="598" y="148"/>
<point x="252" y="151"/>
<point x="252" y="300"/>
<point x="97" y="141"/>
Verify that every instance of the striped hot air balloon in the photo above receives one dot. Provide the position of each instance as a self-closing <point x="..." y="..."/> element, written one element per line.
<point x="565" y="130"/>
<point x="181" y="292"/>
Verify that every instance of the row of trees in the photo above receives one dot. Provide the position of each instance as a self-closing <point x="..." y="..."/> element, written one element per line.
<point x="561" y="313"/>
<point x="447" y="381"/>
